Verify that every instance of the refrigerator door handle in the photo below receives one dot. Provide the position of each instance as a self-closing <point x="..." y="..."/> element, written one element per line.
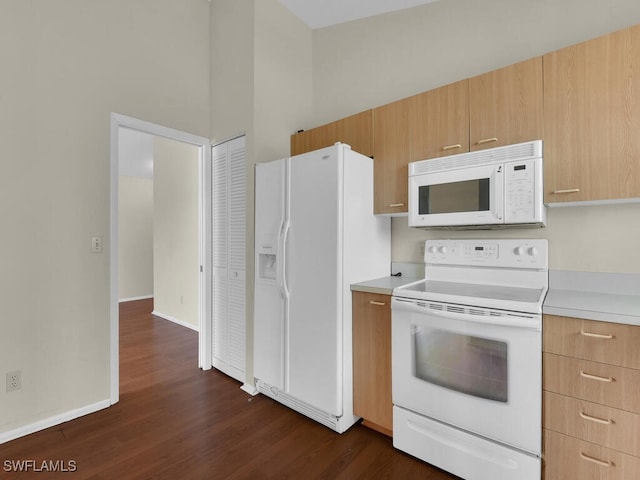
<point x="284" y="288"/>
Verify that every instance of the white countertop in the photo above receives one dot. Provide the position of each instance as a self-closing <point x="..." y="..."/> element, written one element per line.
<point x="384" y="285"/>
<point x="608" y="297"/>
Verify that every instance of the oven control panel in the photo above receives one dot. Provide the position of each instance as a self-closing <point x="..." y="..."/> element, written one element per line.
<point x="515" y="253"/>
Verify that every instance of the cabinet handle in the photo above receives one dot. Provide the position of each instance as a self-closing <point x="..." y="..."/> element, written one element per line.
<point x="373" y="302"/>
<point x="596" y="335"/>
<point x="568" y="190"/>
<point x="596" y="377"/>
<point x="603" y="421"/>
<point x="602" y="463"/>
<point x="487" y="140"/>
<point x="451" y="147"/>
<point x="396" y="205"/>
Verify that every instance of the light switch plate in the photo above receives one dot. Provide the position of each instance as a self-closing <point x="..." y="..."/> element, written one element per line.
<point x="96" y="244"/>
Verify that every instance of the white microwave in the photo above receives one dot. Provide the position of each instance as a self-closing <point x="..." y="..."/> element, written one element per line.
<point x="492" y="188"/>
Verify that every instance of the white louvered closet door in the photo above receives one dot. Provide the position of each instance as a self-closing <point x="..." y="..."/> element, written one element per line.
<point x="229" y="241"/>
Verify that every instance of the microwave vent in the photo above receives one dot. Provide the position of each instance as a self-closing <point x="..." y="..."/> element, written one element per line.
<point x="508" y="153"/>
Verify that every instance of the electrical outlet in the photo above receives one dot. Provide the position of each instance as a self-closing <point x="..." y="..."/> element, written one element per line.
<point x="14" y="381"/>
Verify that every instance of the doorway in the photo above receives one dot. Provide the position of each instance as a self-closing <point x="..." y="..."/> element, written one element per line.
<point x="204" y="302"/>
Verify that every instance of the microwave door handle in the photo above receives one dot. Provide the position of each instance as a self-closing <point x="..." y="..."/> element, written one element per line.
<point x="421" y="307"/>
<point x="498" y="196"/>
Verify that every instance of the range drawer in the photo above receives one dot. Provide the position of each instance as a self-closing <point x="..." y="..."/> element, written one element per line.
<point x="595" y="423"/>
<point x="609" y="385"/>
<point x="567" y="458"/>
<point x="605" y="342"/>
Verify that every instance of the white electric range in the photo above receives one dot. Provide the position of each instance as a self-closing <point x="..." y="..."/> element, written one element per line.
<point x="467" y="358"/>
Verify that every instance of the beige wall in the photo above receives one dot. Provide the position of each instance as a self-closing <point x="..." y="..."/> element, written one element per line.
<point x="176" y="261"/>
<point x="135" y="237"/>
<point x="261" y="77"/>
<point x="66" y="66"/>
<point x="370" y="62"/>
<point x="589" y="239"/>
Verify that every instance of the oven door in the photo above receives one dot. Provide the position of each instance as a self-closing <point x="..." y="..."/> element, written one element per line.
<point x="475" y="369"/>
<point x="468" y="196"/>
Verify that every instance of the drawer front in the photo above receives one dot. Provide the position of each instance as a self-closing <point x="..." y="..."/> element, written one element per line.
<point x="595" y="382"/>
<point x="594" y="423"/>
<point x="605" y="342"/>
<point x="567" y="458"/>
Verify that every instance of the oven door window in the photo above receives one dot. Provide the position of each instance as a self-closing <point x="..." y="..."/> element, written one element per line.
<point x="467" y="364"/>
<point x="455" y="197"/>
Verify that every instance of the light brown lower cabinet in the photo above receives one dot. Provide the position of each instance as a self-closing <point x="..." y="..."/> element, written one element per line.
<point x="568" y="458"/>
<point x="372" y="360"/>
<point x="592" y="422"/>
<point x="591" y="409"/>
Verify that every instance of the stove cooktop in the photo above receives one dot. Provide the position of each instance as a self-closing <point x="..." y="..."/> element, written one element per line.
<point x="507" y="274"/>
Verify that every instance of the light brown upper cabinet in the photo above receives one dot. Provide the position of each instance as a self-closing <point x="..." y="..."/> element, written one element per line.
<point x="592" y="119"/>
<point x="391" y="157"/>
<point x="439" y="122"/>
<point x="356" y="130"/>
<point x="505" y="105"/>
<point x="498" y="108"/>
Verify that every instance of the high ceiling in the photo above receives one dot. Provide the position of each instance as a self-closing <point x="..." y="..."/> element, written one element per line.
<point x="323" y="13"/>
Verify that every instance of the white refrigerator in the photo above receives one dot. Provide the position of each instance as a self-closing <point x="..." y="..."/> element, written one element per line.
<point x="315" y="235"/>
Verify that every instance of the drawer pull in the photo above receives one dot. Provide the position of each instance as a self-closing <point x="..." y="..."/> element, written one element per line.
<point x="596" y="335"/>
<point x="487" y="140"/>
<point x="393" y="205"/>
<point x="602" y="463"/>
<point x="596" y="377"/>
<point x="451" y="147"/>
<point x="567" y="190"/>
<point x="382" y="304"/>
<point x="603" y="421"/>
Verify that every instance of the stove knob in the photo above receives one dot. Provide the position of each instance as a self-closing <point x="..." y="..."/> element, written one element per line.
<point x="518" y="251"/>
<point x="533" y="251"/>
<point x="433" y="249"/>
<point x="443" y="249"/>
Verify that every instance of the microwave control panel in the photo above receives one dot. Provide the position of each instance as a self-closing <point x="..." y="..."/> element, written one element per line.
<point x="520" y="191"/>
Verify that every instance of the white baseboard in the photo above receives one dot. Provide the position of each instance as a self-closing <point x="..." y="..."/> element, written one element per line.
<point x="175" y="320"/>
<point x="131" y="299"/>
<point x="52" y="421"/>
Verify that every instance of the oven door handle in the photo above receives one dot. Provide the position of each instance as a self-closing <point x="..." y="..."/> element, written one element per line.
<point x="515" y="320"/>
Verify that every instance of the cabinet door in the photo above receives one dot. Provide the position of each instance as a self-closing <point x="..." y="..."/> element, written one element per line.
<point x="439" y="122"/>
<point x="617" y="387"/>
<point x="372" y="360"/>
<point x="313" y="139"/>
<point x="592" y="119"/>
<point x="595" y="423"/>
<point x="505" y="105"/>
<point x="567" y="458"/>
<point x="606" y="342"/>
<point x="355" y="130"/>
<point x="391" y="157"/>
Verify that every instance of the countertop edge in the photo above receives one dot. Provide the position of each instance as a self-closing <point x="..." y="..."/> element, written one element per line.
<point x="382" y="286"/>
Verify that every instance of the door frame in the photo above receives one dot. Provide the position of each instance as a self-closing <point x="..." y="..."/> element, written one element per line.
<point x="204" y="192"/>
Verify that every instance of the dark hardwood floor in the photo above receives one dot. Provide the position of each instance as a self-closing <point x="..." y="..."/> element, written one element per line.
<point x="175" y="421"/>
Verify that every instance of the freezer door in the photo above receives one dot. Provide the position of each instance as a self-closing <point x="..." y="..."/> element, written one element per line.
<point x="270" y="302"/>
<point x="314" y="282"/>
